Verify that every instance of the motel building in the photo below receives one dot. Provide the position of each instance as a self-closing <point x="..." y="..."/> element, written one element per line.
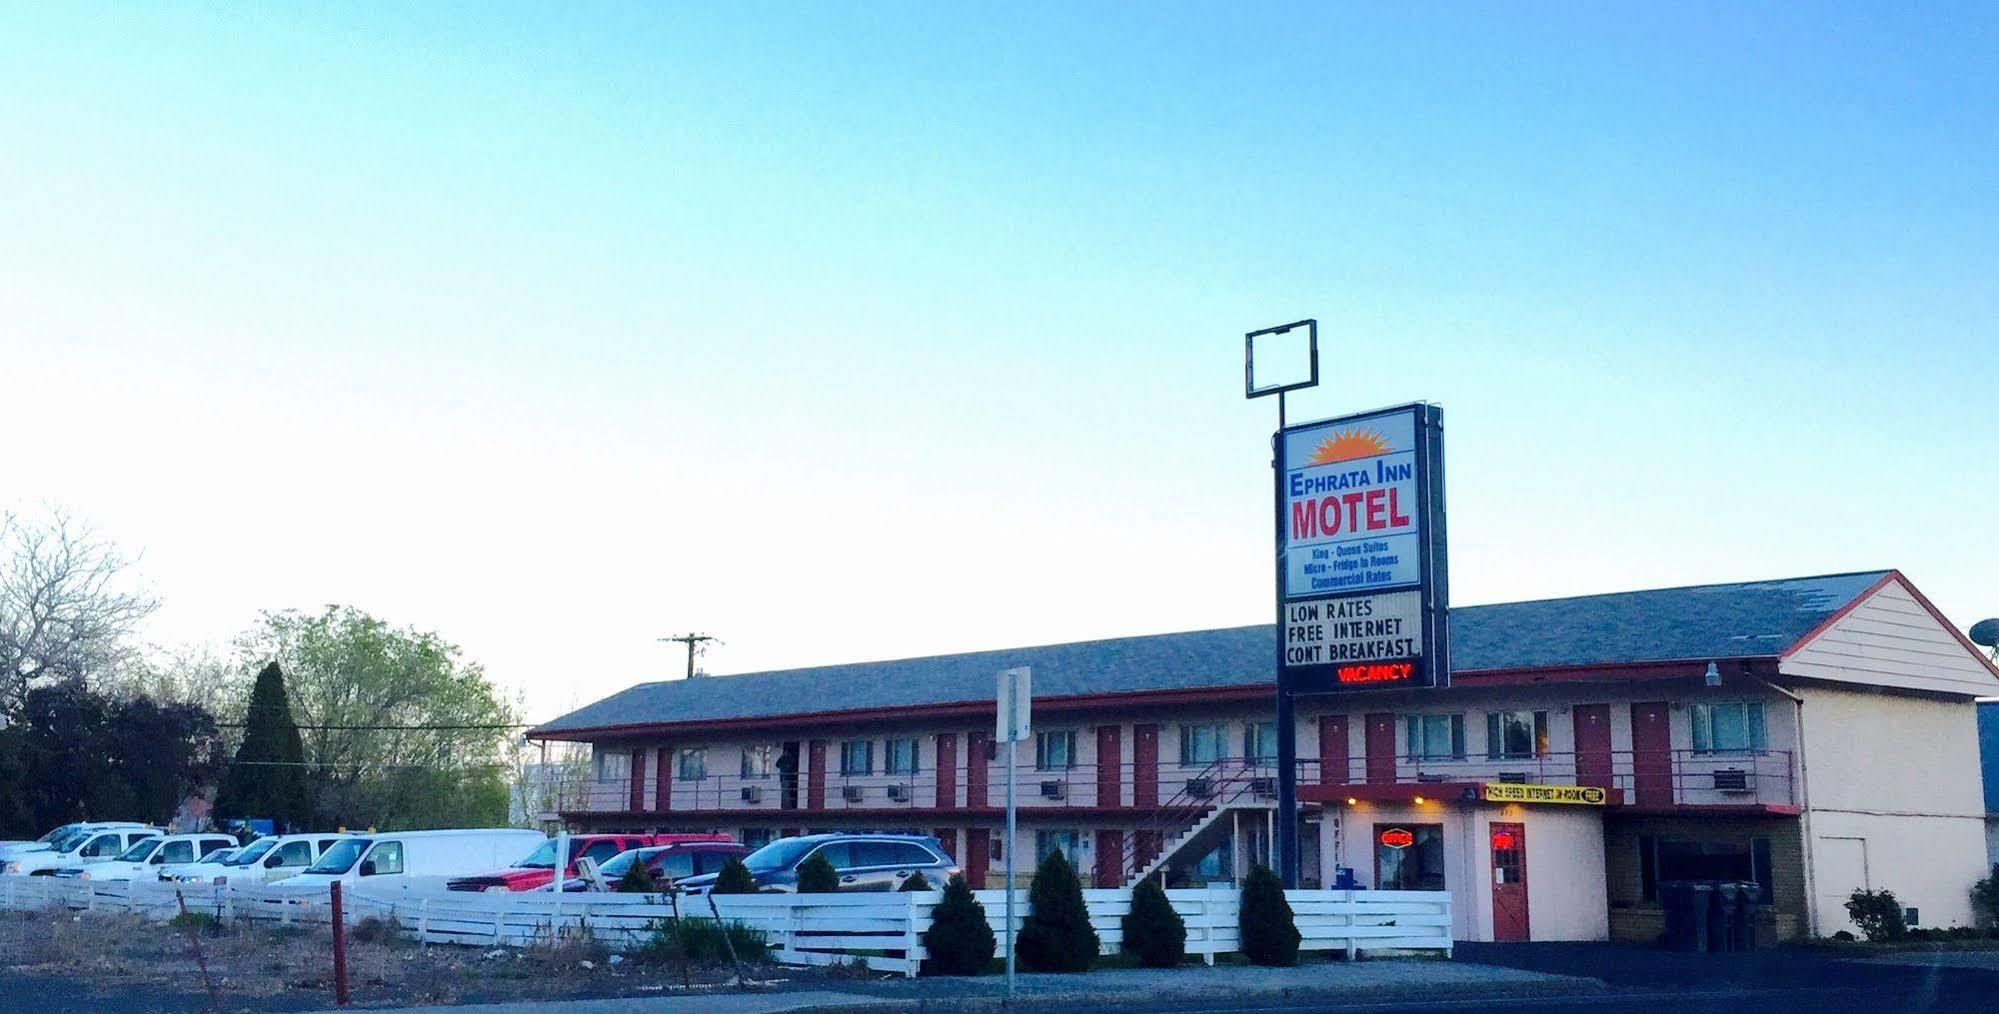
<point x="1812" y="735"/>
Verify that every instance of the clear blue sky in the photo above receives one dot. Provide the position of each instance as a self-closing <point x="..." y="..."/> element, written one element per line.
<point x="853" y="331"/>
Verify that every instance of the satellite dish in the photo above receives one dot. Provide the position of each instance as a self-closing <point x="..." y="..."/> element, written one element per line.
<point x="1986" y="632"/>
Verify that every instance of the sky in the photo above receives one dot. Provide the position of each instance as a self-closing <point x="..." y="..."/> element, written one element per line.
<point x="853" y="331"/>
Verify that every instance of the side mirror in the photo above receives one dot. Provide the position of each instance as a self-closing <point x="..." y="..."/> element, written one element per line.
<point x="271" y="861"/>
<point x="367" y="867"/>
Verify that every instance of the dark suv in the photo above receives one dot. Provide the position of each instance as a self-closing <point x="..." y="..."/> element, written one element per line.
<point x="865" y="862"/>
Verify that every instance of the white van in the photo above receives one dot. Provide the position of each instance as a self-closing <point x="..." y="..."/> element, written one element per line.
<point x="47" y="842"/>
<point x="275" y="857"/>
<point x="78" y="848"/>
<point x="409" y="857"/>
<point x="143" y="860"/>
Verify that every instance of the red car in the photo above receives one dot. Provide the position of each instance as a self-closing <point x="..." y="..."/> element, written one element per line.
<point x="538" y="869"/>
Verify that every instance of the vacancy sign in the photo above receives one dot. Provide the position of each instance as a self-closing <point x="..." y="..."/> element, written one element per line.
<point x="1360" y="536"/>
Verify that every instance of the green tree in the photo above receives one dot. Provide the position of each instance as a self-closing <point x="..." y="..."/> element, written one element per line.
<point x="1269" y="931"/>
<point x="398" y="729"/>
<point x="1056" y="936"/>
<point x="916" y="882"/>
<point x="959" y="941"/>
<point x="77" y="754"/>
<point x="1878" y="914"/>
<point x="638" y="880"/>
<point x="817" y="876"/>
<point x="1152" y="930"/>
<point x="268" y="778"/>
<point x="734" y="878"/>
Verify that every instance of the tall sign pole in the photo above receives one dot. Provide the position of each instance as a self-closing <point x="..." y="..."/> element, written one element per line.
<point x="1016" y="698"/>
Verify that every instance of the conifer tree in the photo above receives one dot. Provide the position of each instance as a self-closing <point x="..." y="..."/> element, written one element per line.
<point x="734" y="878"/>
<point x="817" y="876"/>
<point x="268" y="777"/>
<point x="1056" y="936"/>
<point x="1152" y="930"/>
<point x="959" y="941"/>
<point x="916" y="882"/>
<point x="1269" y="931"/>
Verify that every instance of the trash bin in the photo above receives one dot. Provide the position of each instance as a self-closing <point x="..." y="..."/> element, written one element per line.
<point x="1742" y="921"/>
<point x="1720" y="912"/>
<point x="1685" y="904"/>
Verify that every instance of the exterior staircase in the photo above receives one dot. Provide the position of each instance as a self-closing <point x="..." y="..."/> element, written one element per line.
<point x="1223" y="788"/>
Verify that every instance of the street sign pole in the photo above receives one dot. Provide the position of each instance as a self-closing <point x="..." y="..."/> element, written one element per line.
<point x="1016" y="696"/>
<point x="1286" y="844"/>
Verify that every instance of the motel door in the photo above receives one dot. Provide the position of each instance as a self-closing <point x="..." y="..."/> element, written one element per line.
<point x="1509" y="881"/>
<point x="1592" y="723"/>
<point x="1651" y="754"/>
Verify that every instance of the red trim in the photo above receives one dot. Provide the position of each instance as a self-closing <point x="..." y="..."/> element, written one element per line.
<point x="1840" y="613"/>
<point x="1395" y="792"/>
<point x="766" y="814"/>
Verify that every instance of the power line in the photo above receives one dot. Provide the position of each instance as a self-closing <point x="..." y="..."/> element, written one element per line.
<point x="391" y="728"/>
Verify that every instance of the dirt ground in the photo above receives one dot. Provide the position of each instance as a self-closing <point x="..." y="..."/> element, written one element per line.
<point x="262" y="967"/>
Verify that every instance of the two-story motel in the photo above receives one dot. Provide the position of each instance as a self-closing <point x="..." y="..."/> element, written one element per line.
<point x="1813" y="735"/>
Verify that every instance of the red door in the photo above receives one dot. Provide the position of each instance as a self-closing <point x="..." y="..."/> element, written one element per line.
<point x="638" y="793"/>
<point x="1333" y="766"/>
<point x="1110" y="858"/>
<point x="1381" y="749"/>
<point x="947" y="770"/>
<point x="1145" y="766"/>
<point x="815" y="775"/>
<point x="978" y="849"/>
<point x="662" y="780"/>
<point x="978" y="751"/>
<point x="1592" y="723"/>
<point x="1110" y="768"/>
<point x="1509" y="881"/>
<point x="947" y="837"/>
<point x="1651" y="754"/>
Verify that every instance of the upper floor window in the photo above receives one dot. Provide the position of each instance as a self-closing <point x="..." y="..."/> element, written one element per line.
<point x="899" y="756"/>
<point x="1514" y="735"/>
<point x="1055" y="750"/>
<point x="692" y="765"/>
<point x="1734" y="725"/>
<point x="1203" y="744"/>
<point x="759" y="761"/>
<point x="613" y="765"/>
<point x="857" y="757"/>
<point x="1435" y="737"/>
<point x="1259" y="743"/>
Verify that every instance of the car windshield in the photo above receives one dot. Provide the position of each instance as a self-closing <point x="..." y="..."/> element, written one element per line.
<point x="619" y="865"/>
<point x="68" y="841"/>
<point x="543" y="858"/>
<point x="779" y="854"/>
<point x="253" y="851"/>
<point x="139" y="852"/>
<point x="57" y="833"/>
<point x="340" y="858"/>
<point x="218" y="857"/>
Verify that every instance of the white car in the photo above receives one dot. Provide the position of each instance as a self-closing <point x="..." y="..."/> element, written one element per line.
<point x="201" y="871"/>
<point x="402" y="858"/>
<point x="275" y="857"/>
<point x="143" y="860"/>
<point x="78" y="848"/>
<point x="48" y="841"/>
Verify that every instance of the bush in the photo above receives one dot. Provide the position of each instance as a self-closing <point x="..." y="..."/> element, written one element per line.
<point x="638" y="880"/>
<point x="1056" y="936"/>
<point x="959" y="939"/>
<point x="916" y="882"/>
<point x="369" y="929"/>
<point x="1269" y="931"/>
<point x="1985" y="899"/>
<point x="701" y="941"/>
<point x="734" y="878"/>
<point x="1152" y="930"/>
<point x="817" y="876"/>
<point x="1878" y="915"/>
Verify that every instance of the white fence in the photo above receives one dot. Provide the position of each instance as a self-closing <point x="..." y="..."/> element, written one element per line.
<point x="883" y="930"/>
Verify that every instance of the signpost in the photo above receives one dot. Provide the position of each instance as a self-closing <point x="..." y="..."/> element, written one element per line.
<point x="1016" y="698"/>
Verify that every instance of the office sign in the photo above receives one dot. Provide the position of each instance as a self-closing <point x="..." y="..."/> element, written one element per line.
<point x="1361" y="552"/>
<point x="1573" y="795"/>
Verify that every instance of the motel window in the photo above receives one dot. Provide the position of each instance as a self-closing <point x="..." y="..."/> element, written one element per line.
<point x="757" y="837"/>
<point x="1048" y="841"/>
<point x="613" y="766"/>
<point x="1514" y="735"/>
<point x="1204" y="744"/>
<point x="1259" y="743"/>
<point x="692" y="765"/>
<point x="857" y="757"/>
<point x="1409" y="857"/>
<point x="759" y="761"/>
<point x="1729" y="727"/>
<point x="1435" y="737"/>
<point x="899" y="756"/>
<point x="1055" y="750"/>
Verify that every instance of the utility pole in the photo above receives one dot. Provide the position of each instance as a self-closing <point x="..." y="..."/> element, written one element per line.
<point x="693" y="643"/>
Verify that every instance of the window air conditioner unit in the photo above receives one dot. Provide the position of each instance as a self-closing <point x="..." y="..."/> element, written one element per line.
<point x="753" y="794"/>
<point x="1054" y="790"/>
<point x="898" y="793"/>
<point x="1263" y="788"/>
<point x="1731" y="780"/>
<point x="1200" y="788"/>
<point x="1513" y="777"/>
<point x="850" y="793"/>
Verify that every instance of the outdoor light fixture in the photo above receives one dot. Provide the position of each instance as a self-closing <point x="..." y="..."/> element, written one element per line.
<point x="1419" y="800"/>
<point x="1351" y="801"/>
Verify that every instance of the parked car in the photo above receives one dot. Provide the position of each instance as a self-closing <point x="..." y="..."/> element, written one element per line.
<point x="48" y="841"/>
<point x="865" y="862"/>
<point x="201" y="870"/>
<point x="538" y="869"/>
<point x="275" y="857"/>
<point x="670" y="863"/>
<point x="144" y="859"/>
<point x="405" y="857"/>
<point x="92" y="844"/>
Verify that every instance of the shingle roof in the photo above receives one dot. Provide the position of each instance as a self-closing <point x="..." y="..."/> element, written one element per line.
<point x="1720" y="621"/>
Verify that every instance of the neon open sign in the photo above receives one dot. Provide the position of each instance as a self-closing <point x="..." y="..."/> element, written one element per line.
<point x="1398" y="838"/>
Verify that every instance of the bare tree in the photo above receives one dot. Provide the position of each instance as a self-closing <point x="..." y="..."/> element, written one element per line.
<point x="67" y="610"/>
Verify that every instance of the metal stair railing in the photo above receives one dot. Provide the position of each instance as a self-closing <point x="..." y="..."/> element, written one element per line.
<point x="1186" y="809"/>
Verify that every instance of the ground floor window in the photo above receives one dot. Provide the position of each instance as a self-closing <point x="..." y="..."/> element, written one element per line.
<point x="1048" y="841"/>
<point x="1662" y="859"/>
<point x="758" y="837"/>
<point x="1409" y="857"/>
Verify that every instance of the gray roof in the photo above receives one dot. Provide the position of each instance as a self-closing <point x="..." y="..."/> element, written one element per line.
<point x="1720" y="621"/>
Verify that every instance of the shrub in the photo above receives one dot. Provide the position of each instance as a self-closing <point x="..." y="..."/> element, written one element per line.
<point x="817" y="876"/>
<point x="1878" y="915"/>
<point x="1985" y="899"/>
<point x="916" y="882"/>
<point x="1056" y="936"/>
<point x="369" y="929"/>
<point x="1152" y="930"/>
<point x="959" y="939"/>
<point x="734" y="878"/>
<point x="701" y="941"/>
<point x="638" y="880"/>
<point x="1269" y="931"/>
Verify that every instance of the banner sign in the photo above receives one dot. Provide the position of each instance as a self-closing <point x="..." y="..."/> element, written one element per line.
<point x="1361" y="552"/>
<point x="1577" y="795"/>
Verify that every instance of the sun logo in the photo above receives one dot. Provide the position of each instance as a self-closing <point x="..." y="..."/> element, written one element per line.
<point x="1348" y="445"/>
